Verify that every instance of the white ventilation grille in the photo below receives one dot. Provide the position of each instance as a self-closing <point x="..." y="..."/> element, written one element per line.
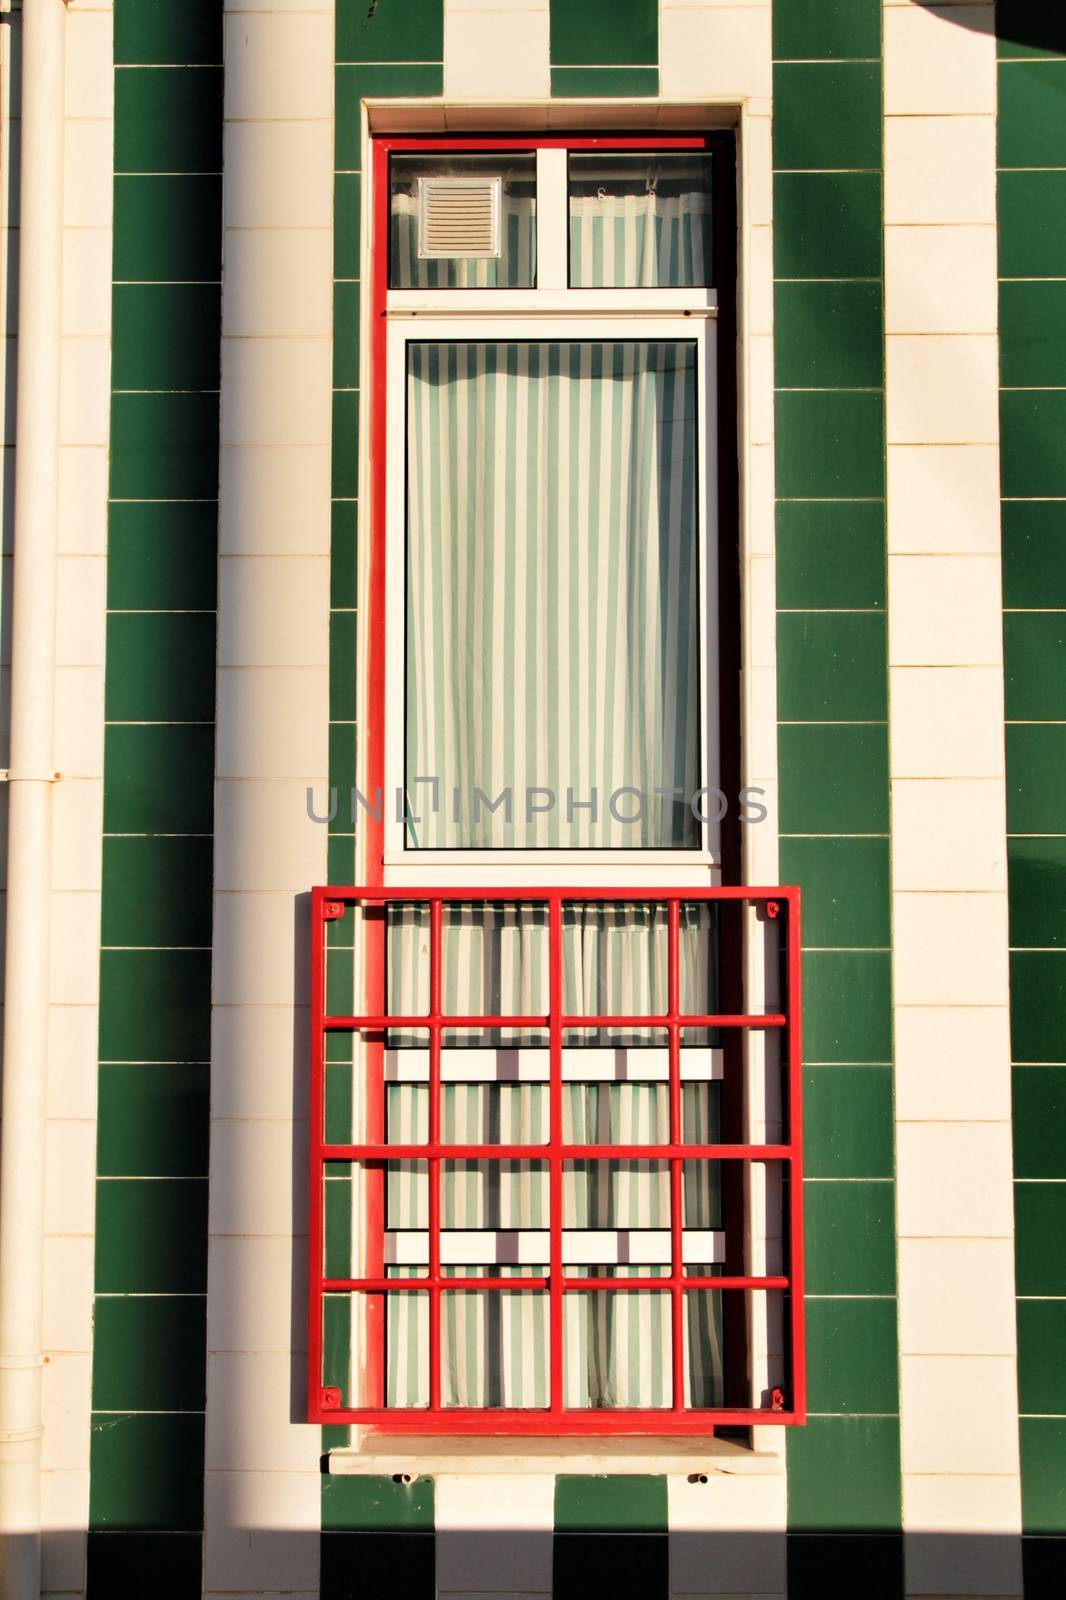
<point x="458" y="217"/>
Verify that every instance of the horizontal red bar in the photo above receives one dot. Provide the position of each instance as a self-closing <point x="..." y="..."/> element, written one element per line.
<point x="657" y="1022"/>
<point x="605" y="1422"/>
<point x="541" y="142"/>
<point x="422" y="1285"/>
<point x="544" y="1152"/>
<point x="565" y="895"/>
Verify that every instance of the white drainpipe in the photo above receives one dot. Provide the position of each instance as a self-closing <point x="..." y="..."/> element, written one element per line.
<point x="31" y="775"/>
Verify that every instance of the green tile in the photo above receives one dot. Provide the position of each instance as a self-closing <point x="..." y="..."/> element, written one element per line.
<point x="149" y="1353"/>
<point x="371" y="83"/>
<point x="1037" y="878"/>
<point x="1043" y="1453"/>
<point x="1034" y="553"/>
<point x="1026" y="27"/>
<point x="157" y="891"/>
<point x="845" y="889"/>
<point x="155" y="1005"/>
<point x="158" y="779"/>
<point x="1032" y="334"/>
<point x="813" y="30"/>
<point x="1032" y="224"/>
<point x="164" y="447"/>
<point x="343" y="695"/>
<point x="167" y="229"/>
<point x="342" y="755"/>
<point x="847" y="1122"/>
<point x="160" y="666"/>
<point x="342" y="554"/>
<point x="847" y="1005"/>
<point x="827" y="224"/>
<point x="1034" y="665"/>
<point x="852" y="1359"/>
<point x="1032" y="427"/>
<point x="347" y="189"/>
<point x="165" y="336"/>
<point x="831" y="666"/>
<point x="1039" y="1109"/>
<point x="1038" y="1005"/>
<point x="340" y="858"/>
<point x="850" y="1238"/>
<point x="345" y="443"/>
<point x="146" y="1471"/>
<point x="830" y="553"/>
<point x="413" y="31"/>
<point x="169" y="119"/>
<point x="162" y="555"/>
<point x="1041" y="1370"/>
<point x="1036" y="779"/>
<point x="345" y="335"/>
<point x="844" y="1472"/>
<point x="1031" y="125"/>
<point x="849" y="138"/>
<point x="828" y="336"/>
<point x="590" y="83"/>
<point x="151" y="1236"/>
<point x="118" y="1560"/>
<point x="152" y="1121"/>
<point x="151" y="31"/>
<point x="833" y="779"/>
<point x="1040" y="1237"/>
<point x="823" y="1565"/>
<point x="591" y="33"/>
<point x="830" y="446"/>
<point x="376" y="1503"/>
<point x="593" y="1504"/>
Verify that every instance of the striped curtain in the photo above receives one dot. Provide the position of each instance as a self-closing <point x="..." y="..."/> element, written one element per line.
<point x="640" y="241"/>
<point x="513" y="268"/>
<point x="552" y="594"/>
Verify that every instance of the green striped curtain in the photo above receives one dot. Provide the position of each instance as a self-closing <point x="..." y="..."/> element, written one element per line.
<point x="552" y="593"/>
<point x="640" y="241"/>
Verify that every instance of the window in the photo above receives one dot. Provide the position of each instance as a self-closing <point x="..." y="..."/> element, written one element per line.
<point x="553" y="1059"/>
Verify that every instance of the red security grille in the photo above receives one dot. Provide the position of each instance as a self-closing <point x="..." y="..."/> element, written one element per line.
<point x="333" y="1035"/>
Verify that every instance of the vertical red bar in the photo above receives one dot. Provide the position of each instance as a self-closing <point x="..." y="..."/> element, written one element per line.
<point x="673" y="1006"/>
<point x="795" y="1139"/>
<point x="434" y="1144"/>
<point x="555" y="1147"/>
<point x="316" y="1132"/>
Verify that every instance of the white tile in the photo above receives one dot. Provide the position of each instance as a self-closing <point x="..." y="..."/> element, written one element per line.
<point x="87" y="281"/>
<point x="956" y="1297"/>
<point x="256" y="1531"/>
<point x="70" y="1178"/>
<point x="75" y="955"/>
<point x="943" y="499"/>
<point x="962" y="1534"/>
<point x="278" y="67"/>
<point x="949" y="833"/>
<point x="81" y="610"/>
<point x="760" y="387"/>
<point x="971" y="1504"/>
<point x="942" y="390"/>
<point x="717" y="53"/>
<point x="82" y="500"/>
<point x="278" y="174"/>
<point x="944" y="611"/>
<point x="88" y="91"/>
<point x="72" y="1061"/>
<point x="272" y="723"/>
<point x="259" y="1061"/>
<point x="947" y="722"/>
<point x="66" y="1407"/>
<point x="68" y="1294"/>
<point x="502" y="1541"/>
<point x="453" y="9"/>
<point x="941" y="280"/>
<point x="277" y="391"/>
<point x="255" y="944"/>
<point x="959" y="1414"/>
<point x="84" y="391"/>
<point x="264" y="838"/>
<point x="252" y="1401"/>
<point x="757" y="162"/>
<point x="940" y="170"/>
<point x="87" y="174"/>
<point x="280" y="5"/>
<point x="264" y="266"/>
<point x="952" y="1061"/>
<point x="254" y="1303"/>
<point x="258" y="1179"/>
<point x="77" y="833"/>
<point x="950" y="949"/>
<point x="727" y="1536"/>
<point x="954" y="1180"/>
<point x="273" y="611"/>
<point x="275" y="502"/>
<point x="760" y="280"/>
<point x="496" y="54"/>
<point x="940" y="60"/>
<point x="64" y="1520"/>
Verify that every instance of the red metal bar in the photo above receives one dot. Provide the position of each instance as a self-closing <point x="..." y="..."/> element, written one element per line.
<point x="555" y="1136"/>
<point x="753" y="894"/>
<point x="488" y="143"/>
<point x="567" y="1152"/>
<point x="673" y="1008"/>
<point x="380" y="1021"/>
<point x="570" y="1285"/>
<point x="798" y="1396"/>
<point x="316" y="1131"/>
<point x="533" y="1423"/>
<point x="434" y="1145"/>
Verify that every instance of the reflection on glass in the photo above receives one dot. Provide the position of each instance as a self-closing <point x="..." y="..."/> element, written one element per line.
<point x="509" y="262"/>
<point x="640" y="221"/>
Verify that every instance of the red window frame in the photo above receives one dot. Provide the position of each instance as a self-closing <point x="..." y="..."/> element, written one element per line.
<point x="788" y="1405"/>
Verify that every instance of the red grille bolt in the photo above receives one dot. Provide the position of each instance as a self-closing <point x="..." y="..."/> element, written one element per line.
<point x="777" y="1399"/>
<point x="772" y="908"/>
<point x="330" y="1399"/>
<point x="332" y="910"/>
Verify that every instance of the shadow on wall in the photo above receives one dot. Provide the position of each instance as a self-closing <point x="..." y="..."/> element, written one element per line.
<point x="1038" y="24"/>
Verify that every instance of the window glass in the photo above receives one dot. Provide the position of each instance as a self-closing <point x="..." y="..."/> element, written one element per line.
<point x="552" y="595"/>
<point x="640" y="221"/>
<point x="463" y="222"/>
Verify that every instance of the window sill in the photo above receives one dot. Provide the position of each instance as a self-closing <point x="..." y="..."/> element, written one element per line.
<point x="423" y="1456"/>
